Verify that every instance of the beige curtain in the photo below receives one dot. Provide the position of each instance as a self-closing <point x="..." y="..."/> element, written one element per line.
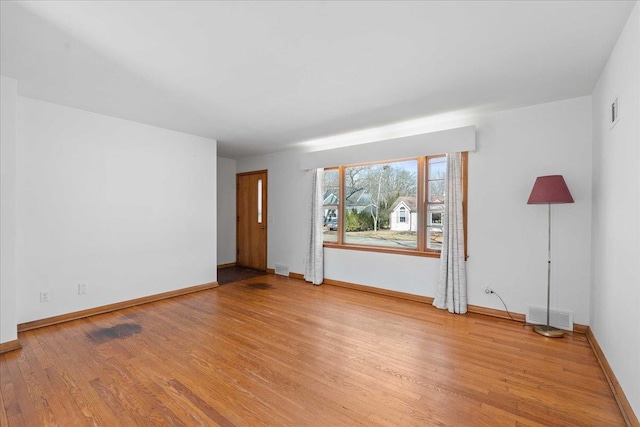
<point x="451" y="292"/>
<point x="314" y="266"/>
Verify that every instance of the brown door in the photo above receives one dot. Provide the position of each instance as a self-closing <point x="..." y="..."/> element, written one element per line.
<point x="251" y="209"/>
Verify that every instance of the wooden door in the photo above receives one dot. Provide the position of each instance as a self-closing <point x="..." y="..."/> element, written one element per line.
<point x="251" y="211"/>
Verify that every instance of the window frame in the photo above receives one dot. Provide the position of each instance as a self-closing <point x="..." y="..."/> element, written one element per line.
<point x="422" y="204"/>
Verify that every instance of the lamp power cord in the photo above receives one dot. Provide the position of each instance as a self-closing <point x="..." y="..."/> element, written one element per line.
<point x="491" y="291"/>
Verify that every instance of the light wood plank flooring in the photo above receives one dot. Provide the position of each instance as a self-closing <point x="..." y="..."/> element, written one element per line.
<point x="273" y="351"/>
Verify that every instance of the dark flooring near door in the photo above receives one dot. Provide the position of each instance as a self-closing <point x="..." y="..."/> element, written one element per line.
<point x="235" y="274"/>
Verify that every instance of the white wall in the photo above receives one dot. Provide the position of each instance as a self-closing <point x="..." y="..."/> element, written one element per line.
<point x="507" y="237"/>
<point x="615" y="305"/>
<point x="125" y="208"/>
<point x="226" y="210"/>
<point x="8" y="319"/>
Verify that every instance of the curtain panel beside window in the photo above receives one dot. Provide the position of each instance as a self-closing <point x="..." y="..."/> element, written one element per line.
<point x="451" y="291"/>
<point x="314" y="267"/>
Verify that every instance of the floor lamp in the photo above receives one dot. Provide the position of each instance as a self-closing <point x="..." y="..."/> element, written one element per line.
<point x="549" y="190"/>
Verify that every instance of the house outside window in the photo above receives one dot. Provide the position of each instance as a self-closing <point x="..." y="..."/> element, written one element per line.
<point x="404" y="214"/>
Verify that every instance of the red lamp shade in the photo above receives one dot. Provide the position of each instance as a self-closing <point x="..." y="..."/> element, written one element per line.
<point x="550" y="189"/>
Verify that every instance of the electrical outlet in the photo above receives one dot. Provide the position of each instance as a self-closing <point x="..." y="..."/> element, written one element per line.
<point x="45" y="296"/>
<point x="488" y="290"/>
<point x="82" y="289"/>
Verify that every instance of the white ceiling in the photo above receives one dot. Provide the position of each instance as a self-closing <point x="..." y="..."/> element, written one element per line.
<point x="263" y="76"/>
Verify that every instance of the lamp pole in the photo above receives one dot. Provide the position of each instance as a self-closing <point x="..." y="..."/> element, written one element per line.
<point x="550" y="189"/>
<point x="549" y="270"/>
<point x="548" y="330"/>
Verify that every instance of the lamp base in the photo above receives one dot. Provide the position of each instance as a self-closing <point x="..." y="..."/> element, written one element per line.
<point x="548" y="331"/>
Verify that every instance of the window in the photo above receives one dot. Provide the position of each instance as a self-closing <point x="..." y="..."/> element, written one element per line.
<point x="394" y="206"/>
<point x="436" y="174"/>
<point x="402" y="214"/>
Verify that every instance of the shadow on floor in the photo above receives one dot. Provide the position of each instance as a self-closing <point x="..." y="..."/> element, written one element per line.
<point x="235" y="274"/>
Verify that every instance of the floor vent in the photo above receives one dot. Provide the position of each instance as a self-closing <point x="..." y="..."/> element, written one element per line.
<point x="559" y="318"/>
<point x="282" y="270"/>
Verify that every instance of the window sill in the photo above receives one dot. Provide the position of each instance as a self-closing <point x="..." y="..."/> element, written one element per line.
<point x="383" y="250"/>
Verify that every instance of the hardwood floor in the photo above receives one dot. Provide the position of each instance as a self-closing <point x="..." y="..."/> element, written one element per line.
<point x="276" y="351"/>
